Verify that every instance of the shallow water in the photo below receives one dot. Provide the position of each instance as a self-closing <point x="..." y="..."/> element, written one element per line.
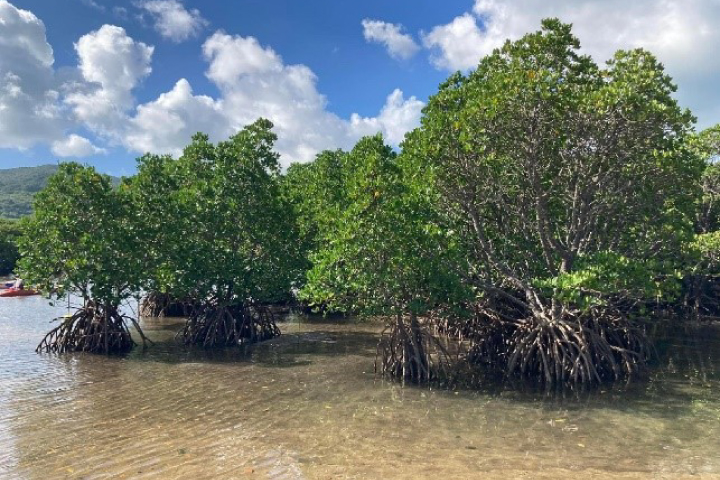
<point x="307" y="405"/>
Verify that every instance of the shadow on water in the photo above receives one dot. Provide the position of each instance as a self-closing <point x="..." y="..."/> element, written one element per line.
<point x="280" y="352"/>
<point x="307" y="402"/>
<point x="684" y="371"/>
<point x="294" y="348"/>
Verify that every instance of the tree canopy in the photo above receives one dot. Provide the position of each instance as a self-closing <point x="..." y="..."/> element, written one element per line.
<point x="708" y="144"/>
<point x="9" y="254"/>
<point x="544" y="207"/>
<point x="83" y="240"/>
<point x="563" y="178"/>
<point x="224" y="234"/>
<point x="381" y="254"/>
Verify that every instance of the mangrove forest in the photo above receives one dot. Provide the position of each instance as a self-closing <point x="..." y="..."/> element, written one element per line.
<point x="544" y="215"/>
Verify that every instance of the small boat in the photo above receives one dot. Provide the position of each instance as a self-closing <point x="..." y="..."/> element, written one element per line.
<point x="17" y="292"/>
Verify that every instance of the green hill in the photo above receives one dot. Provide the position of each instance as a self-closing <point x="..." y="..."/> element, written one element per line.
<point x="19" y="185"/>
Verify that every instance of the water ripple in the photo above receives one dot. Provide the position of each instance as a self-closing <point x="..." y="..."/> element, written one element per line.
<point x="306" y="405"/>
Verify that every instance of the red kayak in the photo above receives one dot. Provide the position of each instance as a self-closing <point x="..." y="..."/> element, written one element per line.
<point x="16" y="292"/>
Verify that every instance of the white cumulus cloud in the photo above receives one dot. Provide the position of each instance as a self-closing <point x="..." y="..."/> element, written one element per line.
<point x="76" y="146"/>
<point x="683" y="35"/>
<point x="41" y="105"/>
<point x="233" y="57"/>
<point x="397" y="117"/>
<point x="254" y="82"/>
<point x="29" y="108"/>
<point x="112" y="64"/>
<point x="173" y="20"/>
<point x="399" y="45"/>
<point x="460" y="44"/>
<point x="165" y="125"/>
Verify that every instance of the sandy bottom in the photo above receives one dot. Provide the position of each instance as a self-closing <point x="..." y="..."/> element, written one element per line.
<point x="307" y="405"/>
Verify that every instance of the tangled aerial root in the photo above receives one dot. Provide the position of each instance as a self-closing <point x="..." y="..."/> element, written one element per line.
<point x="408" y="352"/>
<point x="214" y="326"/>
<point x="157" y="304"/>
<point x="597" y="347"/>
<point x="702" y="296"/>
<point x="92" y="329"/>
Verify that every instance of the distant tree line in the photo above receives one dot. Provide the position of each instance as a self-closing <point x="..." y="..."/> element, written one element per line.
<point x="9" y="255"/>
<point x="543" y="213"/>
<point x="17" y="187"/>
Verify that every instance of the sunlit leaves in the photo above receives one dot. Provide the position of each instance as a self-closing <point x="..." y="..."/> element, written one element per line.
<point x="380" y="252"/>
<point x="220" y="229"/>
<point x="545" y="160"/>
<point x="82" y="238"/>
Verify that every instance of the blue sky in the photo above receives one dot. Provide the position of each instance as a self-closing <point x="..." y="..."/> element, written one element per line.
<point x="102" y="82"/>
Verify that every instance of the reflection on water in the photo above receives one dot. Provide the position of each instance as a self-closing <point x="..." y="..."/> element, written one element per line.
<point x="307" y="405"/>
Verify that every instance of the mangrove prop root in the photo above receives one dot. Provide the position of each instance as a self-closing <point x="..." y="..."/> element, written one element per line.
<point x="408" y="352"/>
<point x="157" y="304"/>
<point x="702" y="296"/>
<point x="91" y="329"/>
<point x="214" y="326"/>
<point x="593" y="348"/>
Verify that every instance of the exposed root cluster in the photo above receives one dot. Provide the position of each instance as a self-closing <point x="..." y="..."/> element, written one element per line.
<point x="702" y="296"/>
<point x="218" y="326"/>
<point x="488" y="342"/>
<point x="408" y="352"/>
<point x="591" y="348"/>
<point x="92" y="329"/>
<point x="157" y="304"/>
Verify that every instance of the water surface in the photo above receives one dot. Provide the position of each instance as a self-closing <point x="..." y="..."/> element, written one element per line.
<point x="307" y="405"/>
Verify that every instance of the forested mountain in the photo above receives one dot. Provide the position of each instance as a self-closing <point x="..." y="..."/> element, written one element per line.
<point x="19" y="185"/>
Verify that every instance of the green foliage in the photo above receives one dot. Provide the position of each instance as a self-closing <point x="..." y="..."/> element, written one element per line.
<point x="605" y="275"/>
<point x="82" y="238"/>
<point x="704" y="254"/>
<point x="316" y="192"/>
<point x="380" y="252"/>
<point x="155" y="193"/>
<point x="544" y="160"/>
<point x="708" y="146"/>
<point x="701" y="262"/>
<point x="709" y="143"/>
<point x="219" y="229"/>
<point x="9" y="255"/>
<point x="708" y="244"/>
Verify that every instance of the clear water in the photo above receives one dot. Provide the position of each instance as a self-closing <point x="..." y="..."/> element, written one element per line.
<point x="307" y="405"/>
